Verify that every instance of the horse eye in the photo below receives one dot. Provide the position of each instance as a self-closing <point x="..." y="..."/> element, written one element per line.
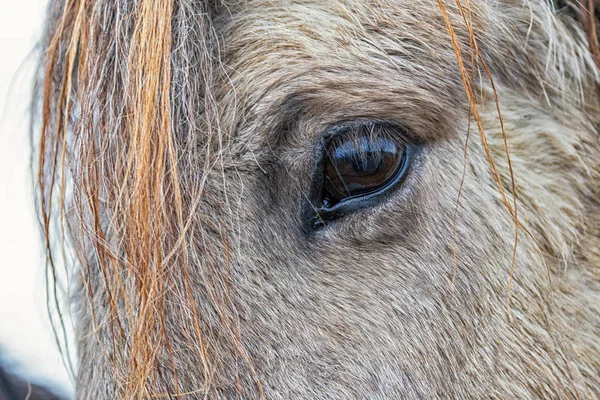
<point x="360" y="166"/>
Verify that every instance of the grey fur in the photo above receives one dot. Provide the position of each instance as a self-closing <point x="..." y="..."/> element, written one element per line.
<point x="372" y="306"/>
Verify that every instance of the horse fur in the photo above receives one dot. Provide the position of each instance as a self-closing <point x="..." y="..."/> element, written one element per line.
<point x="178" y="136"/>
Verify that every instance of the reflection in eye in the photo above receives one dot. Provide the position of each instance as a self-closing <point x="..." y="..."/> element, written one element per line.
<point x="359" y="166"/>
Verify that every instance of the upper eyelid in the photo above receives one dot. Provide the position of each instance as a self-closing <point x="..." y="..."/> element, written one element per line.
<point x="340" y="130"/>
<point x="303" y="109"/>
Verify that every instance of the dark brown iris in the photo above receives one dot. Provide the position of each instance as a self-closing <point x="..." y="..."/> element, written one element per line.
<point x="360" y="166"/>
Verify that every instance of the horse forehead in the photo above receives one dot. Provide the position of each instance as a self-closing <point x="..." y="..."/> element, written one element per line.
<point x="269" y="36"/>
<point x="336" y="60"/>
<point x="339" y="29"/>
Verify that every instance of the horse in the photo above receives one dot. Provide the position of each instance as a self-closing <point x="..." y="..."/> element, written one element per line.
<point x="323" y="199"/>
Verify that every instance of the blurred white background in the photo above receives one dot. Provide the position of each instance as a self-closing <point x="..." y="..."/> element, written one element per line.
<point x="26" y="340"/>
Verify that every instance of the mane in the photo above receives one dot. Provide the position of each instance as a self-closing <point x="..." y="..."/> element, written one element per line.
<point x="129" y="127"/>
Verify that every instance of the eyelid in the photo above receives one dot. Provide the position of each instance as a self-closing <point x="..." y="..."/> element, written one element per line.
<point x="402" y="135"/>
